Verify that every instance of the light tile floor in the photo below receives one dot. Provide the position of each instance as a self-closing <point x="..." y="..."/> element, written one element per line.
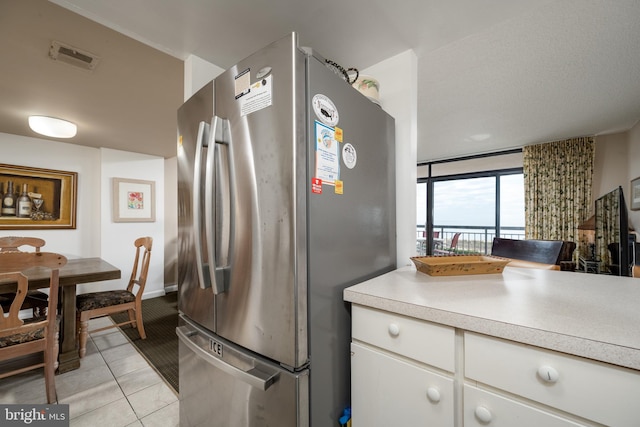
<point x="114" y="386"/>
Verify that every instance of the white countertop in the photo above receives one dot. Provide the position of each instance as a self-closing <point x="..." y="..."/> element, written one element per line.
<point x="587" y="315"/>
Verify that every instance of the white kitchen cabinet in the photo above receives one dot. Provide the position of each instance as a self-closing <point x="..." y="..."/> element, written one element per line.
<point x="399" y="371"/>
<point x="483" y="408"/>
<point x="592" y="390"/>
<point x="387" y="391"/>
<point x="425" y="342"/>
<point x="408" y="372"/>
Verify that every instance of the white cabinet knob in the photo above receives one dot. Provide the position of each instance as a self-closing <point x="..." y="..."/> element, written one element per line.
<point x="483" y="414"/>
<point x="433" y="394"/>
<point x="394" y="330"/>
<point x="548" y="374"/>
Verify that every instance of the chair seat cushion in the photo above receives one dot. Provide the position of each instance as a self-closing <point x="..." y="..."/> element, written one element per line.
<point x="31" y="293"/>
<point x="33" y="299"/>
<point x="34" y="296"/>
<point x="23" y="337"/>
<point x="95" y="300"/>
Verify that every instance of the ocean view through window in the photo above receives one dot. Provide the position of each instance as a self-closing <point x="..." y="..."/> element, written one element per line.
<point x="479" y="206"/>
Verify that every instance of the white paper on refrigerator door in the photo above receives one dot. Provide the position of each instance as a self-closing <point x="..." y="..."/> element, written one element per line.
<point x="259" y="96"/>
<point x="327" y="159"/>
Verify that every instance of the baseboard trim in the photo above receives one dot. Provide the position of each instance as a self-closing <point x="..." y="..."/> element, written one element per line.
<point x="153" y="294"/>
<point x="160" y="292"/>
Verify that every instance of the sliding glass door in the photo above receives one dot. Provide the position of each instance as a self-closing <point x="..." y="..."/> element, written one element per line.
<point x="476" y="207"/>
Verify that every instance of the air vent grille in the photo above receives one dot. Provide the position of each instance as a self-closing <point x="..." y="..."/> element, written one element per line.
<point x="73" y="56"/>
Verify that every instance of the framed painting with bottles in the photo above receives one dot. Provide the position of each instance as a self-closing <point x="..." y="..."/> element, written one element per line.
<point x="34" y="198"/>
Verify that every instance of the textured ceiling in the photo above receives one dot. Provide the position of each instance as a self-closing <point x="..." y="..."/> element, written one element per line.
<point x="492" y="75"/>
<point x="128" y="102"/>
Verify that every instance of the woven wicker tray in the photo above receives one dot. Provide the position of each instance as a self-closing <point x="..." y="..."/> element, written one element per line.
<point x="458" y="265"/>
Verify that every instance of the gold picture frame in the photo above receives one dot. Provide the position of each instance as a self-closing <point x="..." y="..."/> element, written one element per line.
<point x="55" y="190"/>
<point x="134" y="200"/>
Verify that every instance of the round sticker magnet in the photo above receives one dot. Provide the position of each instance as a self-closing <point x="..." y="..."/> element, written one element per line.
<point x="325" y="110"/>
<point x="349" y="156"/>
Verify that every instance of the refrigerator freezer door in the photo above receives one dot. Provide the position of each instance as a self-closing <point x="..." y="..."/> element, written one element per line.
<point x="222" y="385"/>
<point x="263" y="307"/>
<point x="196" y="298"/>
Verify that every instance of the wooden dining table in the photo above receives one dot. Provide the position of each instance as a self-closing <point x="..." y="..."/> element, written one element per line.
<point x="75" y="272"/>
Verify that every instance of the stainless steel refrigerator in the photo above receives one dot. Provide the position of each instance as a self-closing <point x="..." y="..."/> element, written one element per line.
<point x="286" y="185"/>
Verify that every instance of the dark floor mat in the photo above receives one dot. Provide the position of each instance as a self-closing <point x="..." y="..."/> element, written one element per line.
<point x="160" y="348"/>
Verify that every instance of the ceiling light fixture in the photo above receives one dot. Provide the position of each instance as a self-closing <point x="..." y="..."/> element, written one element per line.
<point x="50" y="126"/>
<point x="479" y="137"/>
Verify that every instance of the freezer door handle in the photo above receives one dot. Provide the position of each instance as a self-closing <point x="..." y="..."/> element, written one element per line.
<point x="257" y="377"/>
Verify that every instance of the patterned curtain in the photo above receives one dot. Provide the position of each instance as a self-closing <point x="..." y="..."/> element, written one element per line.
<point x="607" y="227"/>
<point x="557" y="188"/>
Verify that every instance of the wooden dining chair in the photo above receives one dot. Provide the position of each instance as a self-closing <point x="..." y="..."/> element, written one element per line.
<point x="99" y="304"/>
<point x="20" y="337"/>
<point x="35" y="300"/>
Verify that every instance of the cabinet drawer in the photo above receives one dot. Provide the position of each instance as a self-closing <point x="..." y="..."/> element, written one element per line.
<point x="482" y="409"/>
<point x="390" y="392"/>
<point x="596" y="391"/>
<point x="419" y="340"/>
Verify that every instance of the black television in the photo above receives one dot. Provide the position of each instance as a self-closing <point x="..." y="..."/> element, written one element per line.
<point x="612" y="238"/>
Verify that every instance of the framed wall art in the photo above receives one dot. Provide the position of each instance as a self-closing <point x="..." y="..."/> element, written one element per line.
<point x="134" y="200"/>
<point x="34" y="198"/>
<point x="635" y="194"/>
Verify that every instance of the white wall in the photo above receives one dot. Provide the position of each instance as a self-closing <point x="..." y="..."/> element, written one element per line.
<point x="171" y="224"/>
<point x="617" y="162"/>
<point x="95" y="235"/>
<point x="398" y="77"/>
<point x="118" y="237"/>
<point x="84" y="240"/>
<point x="633" y="162"/>
<point x="610" y="164"/>
<point x="197" y="73"/>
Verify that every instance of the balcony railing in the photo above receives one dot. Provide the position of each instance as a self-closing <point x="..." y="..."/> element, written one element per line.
<point x="472" y="239"/>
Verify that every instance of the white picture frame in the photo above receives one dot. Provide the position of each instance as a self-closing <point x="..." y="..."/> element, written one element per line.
<point x="134" y="200"/>
<point x="635" y="194"/>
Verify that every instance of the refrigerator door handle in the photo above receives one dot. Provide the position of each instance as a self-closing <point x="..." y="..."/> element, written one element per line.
<point x="201" y="143"/>
<point x="216" y="212"/>
<point x="254" y="377"/>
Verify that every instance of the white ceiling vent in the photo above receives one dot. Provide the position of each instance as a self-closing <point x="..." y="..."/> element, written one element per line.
<point x="73" y="56"/>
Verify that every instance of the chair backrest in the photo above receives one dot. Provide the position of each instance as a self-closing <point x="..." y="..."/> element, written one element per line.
<point x="140" y="264"/>
<point x="13" y="243"/>
<point x="533" y="250"/>
<point x="12" y="267"/>
<point x="454" y="241"/>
